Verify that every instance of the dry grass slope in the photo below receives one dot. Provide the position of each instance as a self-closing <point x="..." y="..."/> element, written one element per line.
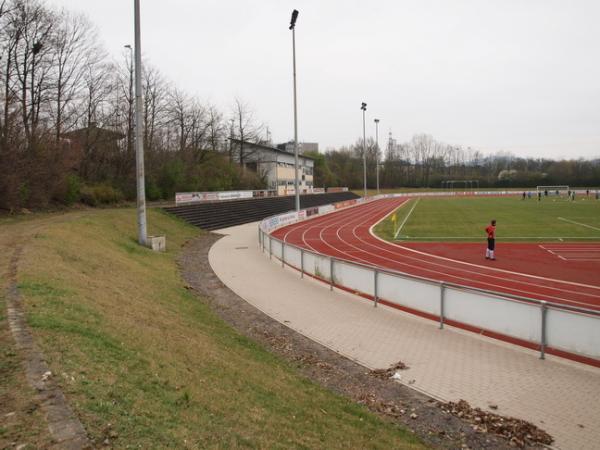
<point x="146" y="364"/>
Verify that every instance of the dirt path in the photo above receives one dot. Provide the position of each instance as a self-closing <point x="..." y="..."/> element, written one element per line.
<point x="36" y="391"/>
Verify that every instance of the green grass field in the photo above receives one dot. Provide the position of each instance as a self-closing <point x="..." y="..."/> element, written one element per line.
<point x="147" y="364"/>
<point x="464" y="219"/>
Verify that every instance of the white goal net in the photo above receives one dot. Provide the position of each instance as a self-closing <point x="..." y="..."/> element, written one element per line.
<point x="553" y="191"/>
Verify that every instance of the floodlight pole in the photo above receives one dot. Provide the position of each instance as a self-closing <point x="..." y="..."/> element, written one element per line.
<point x="296" y="183"/>
<point x="363" y="107"/>
<point x="377" y="151"/>
<point x="139" y="138"/>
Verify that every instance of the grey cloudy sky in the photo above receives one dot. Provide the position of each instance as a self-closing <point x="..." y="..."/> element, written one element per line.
<point x="515" y="75"/>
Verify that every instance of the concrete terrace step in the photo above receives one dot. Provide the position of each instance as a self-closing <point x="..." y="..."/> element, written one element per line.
<point x="215" y="215"/>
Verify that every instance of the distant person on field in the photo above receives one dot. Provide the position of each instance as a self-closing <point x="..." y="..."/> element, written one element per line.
<point x="524" y="195"/>
<point x="528" y="194"/>
<point x="539" y="196"/>
<point x="587" y="192"/>
<point x="546" y="193"/>
<point x="491" y="240"/>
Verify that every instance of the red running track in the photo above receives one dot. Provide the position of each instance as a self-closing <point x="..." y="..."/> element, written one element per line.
<point x="522" y="269"/>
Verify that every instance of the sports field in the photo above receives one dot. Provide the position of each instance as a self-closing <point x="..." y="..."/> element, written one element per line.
<point x="464" y="219"/>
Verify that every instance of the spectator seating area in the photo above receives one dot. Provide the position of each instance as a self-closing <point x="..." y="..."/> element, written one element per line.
<point x="215" y="215"/>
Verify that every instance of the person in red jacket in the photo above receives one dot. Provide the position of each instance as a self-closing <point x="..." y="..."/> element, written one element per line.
<point x="491" y="237"/>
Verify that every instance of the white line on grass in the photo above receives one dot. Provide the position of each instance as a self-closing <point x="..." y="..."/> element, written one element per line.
<point x="405" y="219"/>
<point x="577" y="223"/>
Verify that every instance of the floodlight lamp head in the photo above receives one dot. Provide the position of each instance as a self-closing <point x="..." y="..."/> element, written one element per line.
<point x="363" y="106"/>
<point x="127" y="46"/>
<point x="294" y="18"/>
<point x="376" y="120"/>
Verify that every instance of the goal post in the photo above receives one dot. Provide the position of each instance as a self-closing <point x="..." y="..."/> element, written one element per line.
<point x="553" y="190"/>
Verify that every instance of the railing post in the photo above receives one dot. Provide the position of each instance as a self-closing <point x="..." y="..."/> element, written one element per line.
<point x="442" y="304"/>
<point x="282" y="254"/>
<point x="375" y="288"/>
<point x="331" y="274"/>
<point x="270" y="247"/>
<point x="259" y="236"/>
<point x="301" y="263"/>
<point x="544" y="309"/>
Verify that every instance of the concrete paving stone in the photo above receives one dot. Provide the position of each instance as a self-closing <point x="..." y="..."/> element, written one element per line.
<point x="451" y="364"/>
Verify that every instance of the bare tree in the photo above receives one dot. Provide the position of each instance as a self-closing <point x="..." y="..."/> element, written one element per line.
<point x="74" y="41"/>
<point x="216" y="127"/>
<point x="33" y="59"/>
<point x="246" y="129"/>
<point x="155" y="106"/>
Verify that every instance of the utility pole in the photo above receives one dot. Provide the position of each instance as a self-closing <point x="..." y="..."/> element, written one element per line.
<point x="377" y="151"/>
<point x="363" y="108"/>
<point x="296" y="184"/>
<point x="139" y="139"/>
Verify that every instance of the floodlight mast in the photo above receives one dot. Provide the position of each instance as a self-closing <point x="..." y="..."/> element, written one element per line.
<point x="139" y="138"/>
<point x="296" y="183"/>
<point x="363" y="108"/>
<point x="377" y="151"/>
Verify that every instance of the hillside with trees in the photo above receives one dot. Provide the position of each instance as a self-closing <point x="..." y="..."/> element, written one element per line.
<point x="67" y="119"/>
<point x="67" y="130"/>
<point x="427" y="163"/>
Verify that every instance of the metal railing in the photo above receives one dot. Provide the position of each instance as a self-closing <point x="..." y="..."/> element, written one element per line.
<point x="527" y="321"/>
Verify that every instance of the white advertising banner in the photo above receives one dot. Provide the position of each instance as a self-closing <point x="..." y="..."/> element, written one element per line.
<point x="195" y="197"/>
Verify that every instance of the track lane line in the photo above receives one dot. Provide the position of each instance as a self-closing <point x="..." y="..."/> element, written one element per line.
<point x="374" y="208"/>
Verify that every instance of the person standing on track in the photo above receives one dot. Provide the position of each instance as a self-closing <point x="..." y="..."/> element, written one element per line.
<point x="491" y="240"/>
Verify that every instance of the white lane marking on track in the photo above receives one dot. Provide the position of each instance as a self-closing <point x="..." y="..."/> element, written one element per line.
<point x="332" y="222"/>
<point x="482" y="274"/>
<point x="438" y="272"/>
<point x="406" y="218"/>
<point x="579" y="223"/>
<point x="572" y="283"/>
<point x="502" y="238"/>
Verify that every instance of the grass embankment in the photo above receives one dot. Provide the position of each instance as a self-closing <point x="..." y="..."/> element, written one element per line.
<point x="146" y="364"/>
<point x="463" y="219"/>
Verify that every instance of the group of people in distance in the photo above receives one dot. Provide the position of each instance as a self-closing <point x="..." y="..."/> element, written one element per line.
<point x="491" y="228"/>
<point x="570" y="194"/>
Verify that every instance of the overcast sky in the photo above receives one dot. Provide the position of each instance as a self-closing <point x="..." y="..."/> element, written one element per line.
<point x="515" y="75"/>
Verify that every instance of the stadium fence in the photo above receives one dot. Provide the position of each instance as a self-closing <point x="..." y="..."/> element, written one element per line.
<point x="547" y="327"/>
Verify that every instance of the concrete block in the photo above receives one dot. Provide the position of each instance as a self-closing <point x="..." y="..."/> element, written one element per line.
<point x="157" y="243"/>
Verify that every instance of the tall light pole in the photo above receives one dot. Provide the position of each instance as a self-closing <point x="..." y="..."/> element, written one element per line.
<point x="377" y="151"/>
<point x="139" y="139"/>
<point x="363" y="108"/>
<point x="296" y="184"/>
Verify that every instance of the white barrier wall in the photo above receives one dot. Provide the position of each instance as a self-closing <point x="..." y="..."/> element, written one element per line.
<point x="512" y="318"/>
<point x="410" y="293"/>
<point x="573" y="330"/>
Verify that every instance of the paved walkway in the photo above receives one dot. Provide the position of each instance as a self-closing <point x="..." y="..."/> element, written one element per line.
<point x="560" y="396"/>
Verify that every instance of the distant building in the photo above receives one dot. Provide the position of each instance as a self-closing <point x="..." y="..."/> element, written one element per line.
<point x="303" y="147"/>
<point x="276" y="165"/>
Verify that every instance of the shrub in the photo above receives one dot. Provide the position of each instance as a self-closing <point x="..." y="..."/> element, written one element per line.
<point x="153" y="192"/>
<point x="100" y="194"/>
<point x="73" y="193"/>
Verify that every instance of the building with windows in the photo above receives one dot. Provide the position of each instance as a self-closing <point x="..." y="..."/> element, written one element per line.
<point x="275" y="165"/>
<point x="302" y="147"/>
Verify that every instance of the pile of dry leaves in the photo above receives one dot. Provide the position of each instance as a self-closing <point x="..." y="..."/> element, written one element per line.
<point x="518" y="432"/>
